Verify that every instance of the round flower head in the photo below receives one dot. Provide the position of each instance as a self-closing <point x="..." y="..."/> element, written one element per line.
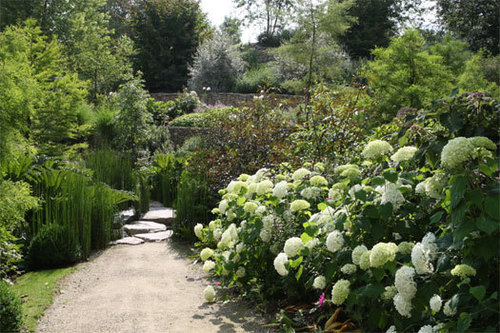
<point x="318" y="181"/>
<point x="340" y="292"/>
<point x="420" y="258"/>
<point x="241" y="272"/>
<point x="334" y="241"/>
<point x="405" y="247"/>
<point x="223" y="206"/>
<point x="243" y="177"/>
<point x="389" y="293"/>
<point x="298" y="205"/>
<point x="279" y="264"/>
<point x="364" y="260"/>
<point x="435" y="303"/>
<point x="456" y="152"/>
<point x="404" y="154"/>
<point x="250" y="207"/>
<point x="252" y="188"/>
<point x="382" y="253"/>
<point x="300" y="174"/>
<point x="310" y="244"/>
<point x="208" y="266"/>
<point x="403" y="305"/>
<point x="264" y="187"/>
<point x="391" y="329"/>
<point x="426" y="329"/>
<point x="447" y="310"/>
<point x="463" y="271"/>
<point x="217" y="233"/>
<point x="319" y="282"/>
<point x="206" y="253"/>
<point x="376" y="149"/>
<point x="216" y="211"/>
<point x="209" y="294"/>
<point x="320" y="167"/>
<point x="198" y="228"/>
<point x="236" y="186"/>
<point x="310" y="192"/>
<point x="390" y="193"/>
<point x="404" y="283"/>
<point x="293" y="246"/>
<point x="260" y="211"/>
<point x="348" y="269"/>
<point x="265" y="235"/>
<point x="281" y="189"/>
<point x="357" y="253"/>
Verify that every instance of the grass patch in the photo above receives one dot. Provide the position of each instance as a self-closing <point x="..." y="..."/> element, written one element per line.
<point x="36" y="290"/>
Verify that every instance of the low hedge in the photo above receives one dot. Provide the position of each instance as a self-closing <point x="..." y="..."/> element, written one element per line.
<point x="202" y="119"/>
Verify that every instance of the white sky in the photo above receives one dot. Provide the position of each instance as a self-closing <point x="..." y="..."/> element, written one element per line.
<point x="216" y="11"/>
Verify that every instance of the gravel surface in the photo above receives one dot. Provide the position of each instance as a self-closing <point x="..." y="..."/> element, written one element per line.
<point x="151" y="287"/>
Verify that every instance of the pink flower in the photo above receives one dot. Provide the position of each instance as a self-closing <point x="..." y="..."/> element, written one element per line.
<point x="218" y="284"/>
<point x="328" y="199"/>
<point x="321" y="299"/>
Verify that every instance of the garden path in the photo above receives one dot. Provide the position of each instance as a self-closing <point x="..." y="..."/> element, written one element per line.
<point x="152" y="287"/>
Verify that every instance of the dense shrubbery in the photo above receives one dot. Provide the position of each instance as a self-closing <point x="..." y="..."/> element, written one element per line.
<point x="405" y="239"/>
<point x="11" y="317"/>
<point x="207" y="118"/>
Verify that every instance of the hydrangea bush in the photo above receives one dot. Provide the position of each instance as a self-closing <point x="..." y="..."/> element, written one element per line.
<point x="396" y="245"/>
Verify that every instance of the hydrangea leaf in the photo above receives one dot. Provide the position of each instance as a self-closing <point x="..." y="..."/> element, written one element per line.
<point x="489" y="167"/>
<point x="372" y="290"/>
<point x="464" y="322"/>
<point x="435" y="218"/>
<point x="478" y="292"/>
<point x="241" y="200"/>
<point x="458" y="188"/>
<point x="322" y="206"/>
<point x="391" y="175"/>
<point x="491" y="205"/>
<point x="299" y="273"/>
<point x="376" y="181"/>
<point x="486" y="224"/>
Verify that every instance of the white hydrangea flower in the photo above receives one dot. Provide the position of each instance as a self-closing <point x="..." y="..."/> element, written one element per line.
<point x="209" y="294"/>
<point x="236" y="186"/>
<point x="311" y="192"/>
<point x="243" y="177"/>
<point x="274" y="248"/>
<point x="463" y="271"/>
<point x="318" y="181"/>
<point x="391" y="193"/>
<point x="348" y="269"/>
<point x="340" y="291"/>
<point x="421" y="260"/>
<point x="261" y="174"/>
<point x="448" y="310"/>
<point x="364" y="260"/>
<point x="217" y="233"/>
<point x="405" y="247"/>
<point x="435" y="303"/>
<point x="268" y="221"/>
<point x="208" y="266"/>
<point x="239" y="247"/>
<point x="356" y="188"/>
<point x="212" y="225"/>
<point x="389" y="293"/>
<point x="206" y="253"/>
<point x="319" y="282"/>
<point x="279" y="264"/>
<point x="403" y="305"/>
<point x="223" y="206"/>
<point x="404" y="283"/>
<point x="252" y="188"/>
<point x="298" y="205"/>
<point x="250" y="207"/>
<point x="281" y="190"/>
<point x="198" y="228"/>
<point x="265" y="235"/>
<point x="293" y="246"/>
<point x="260" y="211"/>
<point x="404" y="154"/>
<point x="382" y="253"/>
<point x="456" y="153"/>
<point x="241" y="272"/>
<point x="376" y="149"/>
<point x="334" y="241"/>
<point x="264" y="187"/>
<point x="391" y="329"/>
<point x="429" y="242"/>
<point x="357" y="253"/>
<point x="425" y="329"/>
<point x="300" y="174"/>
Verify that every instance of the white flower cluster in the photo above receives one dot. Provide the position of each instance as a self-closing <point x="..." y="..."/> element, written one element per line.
<point x="456" y="152"/>
<point x="463" y="271"/>
<point x="340" y="291"/>
<point x="432" y="186"/>
<point x="407" y="288"/>
<point x="264" y="187"/>
<point x="298" y="205"/>
<point x="300" y="174"/>
<point x="348" y="269"/>
<point x="293" y="246"/>
<point x="423" y="253"/>
<point x="229" y="237"/>
<point x="448" y="310"/>
<point x="334" y="241"/>
<point x="404" y="154"/>
<point x="382" y="253"/>
<point x="357" y="253"/>
<point x="319" y="282"/>
<point x="348" y="171"/>
<point x="376" y="149"/>
<point x="198" y="231"/>
<point x="208" y="266"/>
<point x="209" y="294"/>
<point x="206" y="253"/>
<point x="435" y="303"/>
<point x="390" y="193"/>
<point x="312" y="192"/>
<point x="281" y="189"/>
<point x="279" y="264"/>
<point x="318" y="181"/>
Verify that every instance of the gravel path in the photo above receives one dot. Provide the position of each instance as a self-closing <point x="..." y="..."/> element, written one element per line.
<point x="151" y="287"/>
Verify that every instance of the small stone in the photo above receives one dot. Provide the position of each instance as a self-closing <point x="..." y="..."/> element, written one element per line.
<point x="128" y="241"/>
<point x="155" y="237"/>
<point x="160" y="215"/>
<point x="141" y="227"/>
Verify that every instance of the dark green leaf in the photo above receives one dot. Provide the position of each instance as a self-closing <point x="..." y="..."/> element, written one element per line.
<point x="443" y="263"/>
<point x="373" y="290"/>
<point x="385" y="211"/>
<point x="478" y="292"/>
<point x="474" y="198"/>
<point x="486" y="224"/>
<point x="371" y="211"/>
<point x="299" y="273"/>
<point x="360" y="195"/>
<point x="391" y="175"/>
<point x="463" y="322"/>
<point x="492" y="207"/>
<point x="378" y="181"/>
<point x="457" y="215"/>
<point x="458" y="188"/>
<point x="489" y="168"/>
<point x="378" y="273"/>
<point x="436" y="217"/>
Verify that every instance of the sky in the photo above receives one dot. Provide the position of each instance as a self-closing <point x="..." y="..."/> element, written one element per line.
<point x="216" y="11"/>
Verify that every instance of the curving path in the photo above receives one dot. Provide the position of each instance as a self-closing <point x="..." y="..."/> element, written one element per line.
<point x="146" y="288"/>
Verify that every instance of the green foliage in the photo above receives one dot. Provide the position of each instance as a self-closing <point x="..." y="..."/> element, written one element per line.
<point x="207" y="118"/>
<point x="111" y="167"/>
<point x="166" y="34"/>
<point x="167" y="170"/>
<point x="406" y="75"/>
<point x="474" y="79"/>
<point x="142" y="180"/>
<point x="217" y="64"/>
<point x="477" y="22"/>
<point x="193" y="202"/>
<point x="453" y="52"/>
<point x="255" y="78"/>
<point x="232" y="27"/>
<point x="11" y="316"/>
<point x="53" y="246"/>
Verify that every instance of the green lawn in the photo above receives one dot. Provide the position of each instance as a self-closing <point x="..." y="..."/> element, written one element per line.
<point x="36" y="290"/>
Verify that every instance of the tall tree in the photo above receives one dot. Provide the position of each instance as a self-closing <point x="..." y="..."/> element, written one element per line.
<point x="272" y="14"/>
<point x="478" y="22"/>
<point x="166" y="33"/>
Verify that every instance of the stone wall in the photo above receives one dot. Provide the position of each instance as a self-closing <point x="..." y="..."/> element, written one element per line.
<point x="232" y="99"/>
<point x="179" y="135"/>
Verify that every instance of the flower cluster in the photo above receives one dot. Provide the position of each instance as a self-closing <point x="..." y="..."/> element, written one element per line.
<point x="340" y="291"/>
<point x="404" y="154"/>
<point x="376" y="149"/>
